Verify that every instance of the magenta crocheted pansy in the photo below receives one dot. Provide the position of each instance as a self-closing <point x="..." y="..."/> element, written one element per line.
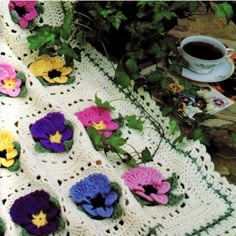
<point x="148" y="183"/>
<point x="99" y="118"/>
<point x="52" y="133"/>
<point x="36" y="213"/>
<point x="23" y="12"/>
<point x="11" y="83"/>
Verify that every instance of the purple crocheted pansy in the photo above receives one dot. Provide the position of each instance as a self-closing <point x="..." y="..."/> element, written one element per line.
<point x="148" y="183"/>
<point x="36" y="213"/>
<point x="52" y="133"/>
<point x="95" y="195"/>
<point x="24" y="12"/>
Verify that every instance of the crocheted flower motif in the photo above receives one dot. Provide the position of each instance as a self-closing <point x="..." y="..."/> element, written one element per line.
<point x="99" y="118"/>
<point x="52" y="133"/>
<point x="11" y="83"/>
<point x="218" y="102"/>
<point x="36" y="213"/>
<point x="9" y="151"/>
<point x="147" y="183"/>
<point x="51" y="70"/>
<point x="95" y="195"/>
<point x="175" y="88"/>
<point x="23" y="12"/>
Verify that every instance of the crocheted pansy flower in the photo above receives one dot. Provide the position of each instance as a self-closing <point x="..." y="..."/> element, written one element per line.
<point x="52" y="133"/>
<point x="37" y="213"/>
<point x="24" y="12"/>
<point x="97" y="196"/>
<point x="51" y="71"/>
<point x="99" y="118"/>
<point x="12" y="83"/>
<point x="218" y="102"/>
<point x="147" y="183"/>
<point x="9" y="151"/>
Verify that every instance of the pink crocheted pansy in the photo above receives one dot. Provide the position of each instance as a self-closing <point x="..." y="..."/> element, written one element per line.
<point x="148" y="183"/>
<point x="23" y="12"/>
<point x="10" y="85"/>
<point x="99" y="118"/>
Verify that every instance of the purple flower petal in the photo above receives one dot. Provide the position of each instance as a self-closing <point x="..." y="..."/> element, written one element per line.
<point x="42" y="129"/>
<point x="111" y="198"/>
<point x="104" y="212"/>
<point x="89" y="209"/>
<point x="67" y="134"/>
<point x="57" y="120"/>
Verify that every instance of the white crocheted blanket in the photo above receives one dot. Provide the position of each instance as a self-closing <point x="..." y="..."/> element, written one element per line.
<point x="209" y="203"/>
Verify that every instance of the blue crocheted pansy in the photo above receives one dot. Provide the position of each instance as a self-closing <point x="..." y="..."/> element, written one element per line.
<point x="52" y="133"/>
<point x="96" y="196"/>
<point x="36" y="213"/>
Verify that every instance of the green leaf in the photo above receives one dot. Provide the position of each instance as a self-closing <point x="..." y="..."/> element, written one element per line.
<point x="2" y="227"/>
<point x="233" y="136"/>
<point x="39" y="148"/>
<point x="174" y="199"/>
<point x="41" y="38"/>
<point x="114" y="140"/>
<point x="225" y="10"/>
<point x="14" y="17"/>
<point x="117" y="211"/>
<point x="131" y="162"/>
<point x="199" y="135"/>
<point x="15" y="166"/>
<point x="105" y="104"/>
<point x="165" y="82"/>
<point x="106" y="12"/>
<point x="166" y="110"/>
<point x="174" y="127"/>
<point x="146" y="155"/>
<point x="25" y="233"/>
<point x="134" y="123"/>
<point x="68" y="51"/>
<point x="94" y="136"/>
<point x="23" y="91"/>
<point x="173" y="181"/>
<point x="68" y="145"/>
<point x="157" y="75"/>
<point x="121" y="77"/>
<point x="131" y="66"/>
<point x="117" y="19"/>
<point x="21" y="76"/>
<point x="66" y="28"/>
<point x="116" y="187"/>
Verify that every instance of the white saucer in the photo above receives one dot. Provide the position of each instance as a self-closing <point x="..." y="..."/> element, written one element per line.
<point x="219" y="73"/>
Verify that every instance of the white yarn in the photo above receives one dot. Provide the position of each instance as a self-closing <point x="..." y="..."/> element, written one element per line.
<point x="208" y="196"/>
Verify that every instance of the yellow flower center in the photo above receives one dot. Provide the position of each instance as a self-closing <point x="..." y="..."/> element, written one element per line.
<point x="40" y="219"/>
<point x="55" y="138"/>
<point x="9" y="83"/>
<point x="99" y="126"/>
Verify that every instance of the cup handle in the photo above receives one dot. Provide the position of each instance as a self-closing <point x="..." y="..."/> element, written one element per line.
<point x="229" y="52"/>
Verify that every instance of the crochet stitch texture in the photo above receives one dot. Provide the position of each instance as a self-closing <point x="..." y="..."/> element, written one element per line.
<point x="209" y="205"/>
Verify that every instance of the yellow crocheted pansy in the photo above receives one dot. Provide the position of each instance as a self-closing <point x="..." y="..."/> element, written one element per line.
<point x="51" y="69"/>
<point x="7" y="149"/>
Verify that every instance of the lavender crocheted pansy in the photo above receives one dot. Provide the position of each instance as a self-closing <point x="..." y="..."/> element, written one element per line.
<point x="147" y="183"/>
<point x="95" y="195"/>
<point x="36" y="213"/>
<point x="52" y="133"/>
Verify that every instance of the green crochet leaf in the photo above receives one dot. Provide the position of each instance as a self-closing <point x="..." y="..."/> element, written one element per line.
<point x="174" y="199"/>
<point x="14" y="17"/>
<point x="71" y="80"/>
<point x="15" y="166"/>
<point x="117" y="211"/>
<point x="61" y="224"/>
<point x="68" y="145"/>
<point x="69" y="124"/>
<point x="22" y="92"/>
<point x="25" y="233"/>
<point x="39" y="148"/>
<point x="2" y="227"/>
<point x="17" y="147"/>
<point x="21" y="76"/>
<point x="173" y="181"/>
<point x="116" y="187"/>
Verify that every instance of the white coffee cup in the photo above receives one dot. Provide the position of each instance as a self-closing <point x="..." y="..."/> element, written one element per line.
<point x="203" y="53"/>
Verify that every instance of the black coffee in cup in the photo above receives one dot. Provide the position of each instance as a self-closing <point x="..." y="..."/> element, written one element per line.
<point x="202" y="50"/>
